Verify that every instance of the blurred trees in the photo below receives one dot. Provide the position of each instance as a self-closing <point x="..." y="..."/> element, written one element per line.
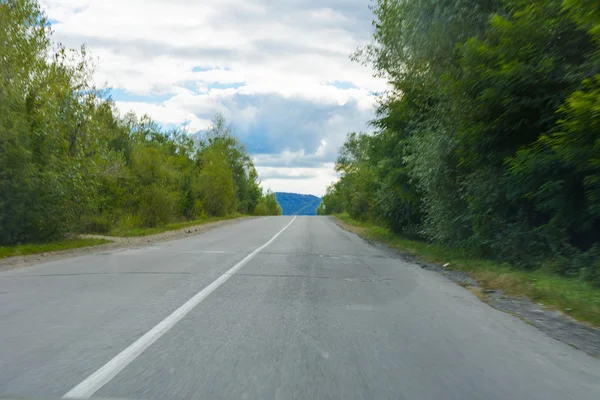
<point x="268" y="205"/>
<point x="488" y="137"/>
<point x="69" y="163"/>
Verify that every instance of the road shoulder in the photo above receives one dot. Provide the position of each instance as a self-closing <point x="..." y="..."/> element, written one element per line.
<point x="551" y="322"/>
<point x="9" y="263"/>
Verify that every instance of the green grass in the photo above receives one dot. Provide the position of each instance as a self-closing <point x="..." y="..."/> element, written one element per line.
<point x="27" y="249"/>
<point x="131" y="232"/>
<point x="576" y="298"/>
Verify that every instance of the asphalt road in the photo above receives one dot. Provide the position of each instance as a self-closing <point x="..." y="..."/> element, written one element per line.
<point x="315" y="314"/>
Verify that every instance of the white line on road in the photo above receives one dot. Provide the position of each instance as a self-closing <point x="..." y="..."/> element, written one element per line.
<point x="102" y="376"/>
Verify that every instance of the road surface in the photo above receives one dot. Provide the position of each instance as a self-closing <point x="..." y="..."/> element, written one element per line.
<point x="269" y="308"/>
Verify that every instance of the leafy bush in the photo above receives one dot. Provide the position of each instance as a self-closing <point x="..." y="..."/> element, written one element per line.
<point x="157" y="206"/>
<point x="70" y="163"/>
<point x="488" y="140"/>
<point x="267" y="205"/>
<point x="261" y="209"/>
<point x="98" y="224"/>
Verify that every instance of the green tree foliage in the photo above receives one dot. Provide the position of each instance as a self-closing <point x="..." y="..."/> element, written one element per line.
<point x="221" y="136"/>
<point x="217" y="185"/>
<point x="69" y="162"/>
<point x="488" y="137"/>
<point x="45" y="137"/>
<point x="268" y="205"/>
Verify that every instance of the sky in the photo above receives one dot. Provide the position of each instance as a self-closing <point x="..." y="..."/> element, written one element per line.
<point x="279" y="70"/>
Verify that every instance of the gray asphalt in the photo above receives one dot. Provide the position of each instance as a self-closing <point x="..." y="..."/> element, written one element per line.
<point x="318" y="314"/>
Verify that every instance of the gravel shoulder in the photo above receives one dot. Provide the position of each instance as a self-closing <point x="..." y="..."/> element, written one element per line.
<point x="116" y="243"/>
<point x="551" y="322"/>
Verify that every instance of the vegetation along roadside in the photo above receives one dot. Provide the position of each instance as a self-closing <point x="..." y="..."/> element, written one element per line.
<point x="72" y="164"/>
<point x="117" y="238"/>
<point x="484" y="151"/>
<point x="40" y="248"/>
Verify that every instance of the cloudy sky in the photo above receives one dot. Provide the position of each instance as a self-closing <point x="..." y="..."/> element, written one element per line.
<point x="279" y="70"/>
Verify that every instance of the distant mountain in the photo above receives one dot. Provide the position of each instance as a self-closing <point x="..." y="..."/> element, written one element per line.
<point x="298" y="204"/>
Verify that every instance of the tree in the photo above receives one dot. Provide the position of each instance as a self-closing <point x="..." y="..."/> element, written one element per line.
<point x="43" y="162"/>
<point x="217" y="185"/>
<point x="70" y="163"/>
<point x="221" y="135"/>
<point x="487" y="139"/>
<point x="268" y="205"/>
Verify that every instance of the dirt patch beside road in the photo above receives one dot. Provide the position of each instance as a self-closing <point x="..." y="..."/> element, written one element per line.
<point x="116" y="243"/>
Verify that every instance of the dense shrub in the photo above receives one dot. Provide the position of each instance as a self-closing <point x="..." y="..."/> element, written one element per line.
<point x="489" y="137"/>
<point x="69" y="163"/>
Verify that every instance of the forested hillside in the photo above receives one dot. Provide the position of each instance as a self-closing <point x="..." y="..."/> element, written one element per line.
<point x="489" y="139"/>
<point x="298" y="204"/>
<point x="69" y="163"/>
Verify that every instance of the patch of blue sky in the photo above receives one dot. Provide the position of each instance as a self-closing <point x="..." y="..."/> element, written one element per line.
<point x="192" y="86"/>
<point x="199" y="87"/>
<point x="216" y="85"/>
<point x="206" y="68"/>
<point x="170" y="127"/>
<point x="344" y="85"/>
<point x="202" y="69"/>
<point x="122" y="95"/>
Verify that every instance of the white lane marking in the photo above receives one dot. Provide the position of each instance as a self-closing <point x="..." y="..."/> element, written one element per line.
<point x="102" y="376"/>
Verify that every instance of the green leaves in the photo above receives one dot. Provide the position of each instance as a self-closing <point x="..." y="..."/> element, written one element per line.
<point x="489" y="138"/>
<point x="68" y="163"/>
<point x="267" y="205"/>
<point x="586" y="13"/>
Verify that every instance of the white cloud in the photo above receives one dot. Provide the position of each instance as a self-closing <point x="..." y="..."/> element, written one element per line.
<point x="304" y="180"/>
<point x="165" y="114"/>
<point x="267" y="65"/>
